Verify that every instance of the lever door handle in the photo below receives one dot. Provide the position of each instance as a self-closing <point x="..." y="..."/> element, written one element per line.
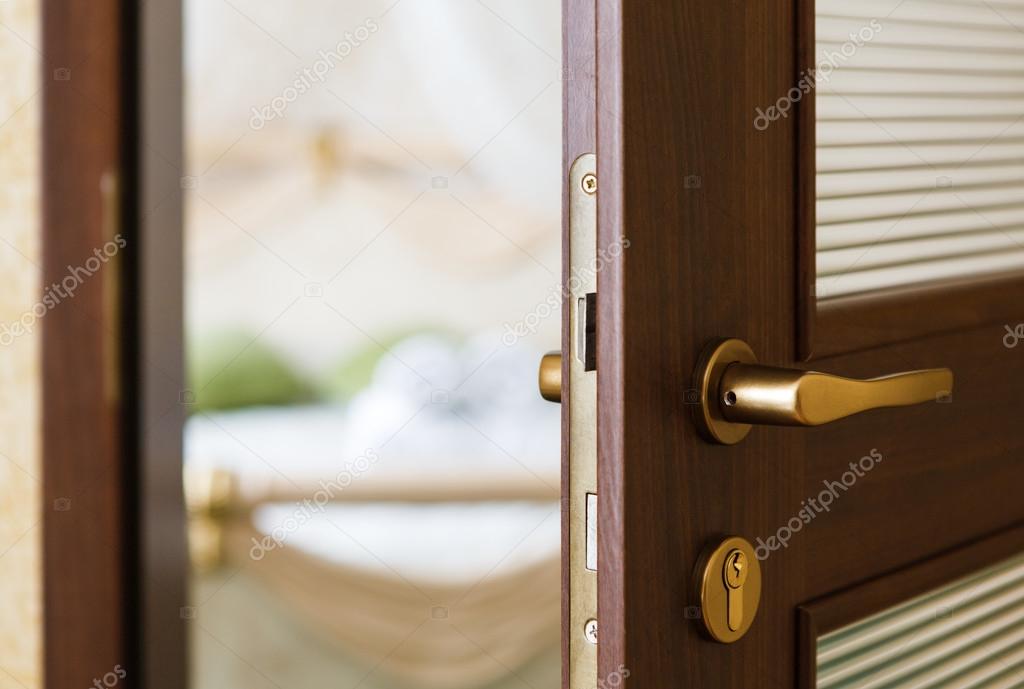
<point x="734" y="392"/>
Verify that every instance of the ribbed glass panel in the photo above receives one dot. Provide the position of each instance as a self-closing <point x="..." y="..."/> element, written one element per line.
<point x="920" y="131"/>
<point x="967" y="635"/>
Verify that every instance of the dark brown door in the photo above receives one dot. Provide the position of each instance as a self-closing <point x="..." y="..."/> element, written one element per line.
<point x="720" y="216"/>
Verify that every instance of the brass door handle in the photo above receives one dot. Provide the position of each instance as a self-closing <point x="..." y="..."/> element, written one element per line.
<point x="734" y="391"/>
<point x="549" y="377"/>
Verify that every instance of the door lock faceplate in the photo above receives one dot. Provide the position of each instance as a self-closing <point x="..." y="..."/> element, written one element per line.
<point x="580" y="476"/>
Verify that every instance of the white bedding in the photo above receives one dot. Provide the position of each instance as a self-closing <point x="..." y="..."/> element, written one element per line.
<point x="488" y="429"/>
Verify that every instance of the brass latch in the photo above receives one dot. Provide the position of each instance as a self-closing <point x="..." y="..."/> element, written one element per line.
<point x="549" y="377"/>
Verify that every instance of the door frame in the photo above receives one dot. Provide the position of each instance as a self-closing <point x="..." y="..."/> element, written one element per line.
<point x="82" y="423"/>
<point x="114" y="555"/>
<point x="157" y="326"/>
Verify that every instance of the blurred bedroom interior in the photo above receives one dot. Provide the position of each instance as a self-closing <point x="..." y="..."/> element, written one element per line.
<point x="291" y="288"/>
<point x="371" y="242"/>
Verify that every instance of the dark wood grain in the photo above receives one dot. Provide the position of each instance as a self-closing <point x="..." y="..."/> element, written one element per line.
<point x="711" y="209"/>
<point x="806" y="175"/>
<point x="836" y="611"/>
<point x="578" y="137"/>
<point x="852" y="323"/>
<point x="84" y="544"/>
<point x="708" y="204"/>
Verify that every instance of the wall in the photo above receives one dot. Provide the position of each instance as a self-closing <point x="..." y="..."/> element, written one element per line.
<point x="20" y="528"/>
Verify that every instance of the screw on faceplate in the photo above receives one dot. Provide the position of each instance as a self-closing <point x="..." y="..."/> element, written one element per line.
<point x="589" y="183"/>
<point x="590" y="631"/>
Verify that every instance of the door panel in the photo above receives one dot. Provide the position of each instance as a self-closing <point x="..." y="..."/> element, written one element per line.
<point x="846" y="324"/>
<point x="715" y="214"/>
<point x="907" y="150"/>
<point x="947" y="467"/>
<point x="920" y="642"/>
<point x="934" y="609"/>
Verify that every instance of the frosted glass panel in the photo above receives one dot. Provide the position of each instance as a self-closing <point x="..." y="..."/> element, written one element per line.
<point x="920" y="131"/>
<point x="969" y="634"/>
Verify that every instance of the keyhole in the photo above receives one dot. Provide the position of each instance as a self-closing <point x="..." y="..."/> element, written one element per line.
<point x="735" y="575"/>
<point x="735" y="570"/>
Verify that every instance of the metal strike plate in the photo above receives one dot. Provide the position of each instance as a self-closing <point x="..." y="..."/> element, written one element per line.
<point x="591" y="532"/>
<point x="582" y="411"/>
<point x="729" y="576"/>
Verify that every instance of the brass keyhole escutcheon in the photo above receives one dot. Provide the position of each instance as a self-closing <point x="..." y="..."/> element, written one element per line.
<point x="729" y="575"/>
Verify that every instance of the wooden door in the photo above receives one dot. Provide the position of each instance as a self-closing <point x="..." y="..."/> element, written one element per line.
<point x="720" y="221"/>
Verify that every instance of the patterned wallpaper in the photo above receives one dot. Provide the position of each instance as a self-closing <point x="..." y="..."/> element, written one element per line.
<point x="20" y="531"/>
